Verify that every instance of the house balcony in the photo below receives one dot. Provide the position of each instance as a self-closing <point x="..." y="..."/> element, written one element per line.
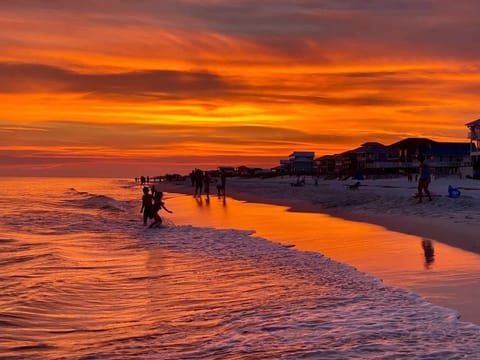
<point x="390" y="165"/>
<point x="412" y="164"/>
<point x="473" y="135"/>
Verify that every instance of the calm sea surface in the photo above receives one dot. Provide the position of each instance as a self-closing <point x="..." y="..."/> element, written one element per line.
<point x="81" y="278"/>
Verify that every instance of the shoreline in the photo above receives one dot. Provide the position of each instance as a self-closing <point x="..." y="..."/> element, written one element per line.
<point x="385" y="202"/>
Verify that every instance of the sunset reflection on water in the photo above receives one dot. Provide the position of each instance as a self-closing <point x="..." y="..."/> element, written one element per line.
<point x="81" y="275"/>
<point x="398" y="259"/>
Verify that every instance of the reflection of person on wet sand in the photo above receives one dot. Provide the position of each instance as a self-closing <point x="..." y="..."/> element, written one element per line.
<point x="199" y="200"/>
<point x="428" y="252"/>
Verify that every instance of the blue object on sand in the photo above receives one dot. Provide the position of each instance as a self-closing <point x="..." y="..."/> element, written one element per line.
<point x="453" y="192"/>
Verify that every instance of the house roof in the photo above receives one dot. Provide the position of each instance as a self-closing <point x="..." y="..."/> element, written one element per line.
<point x="372" y="143"/>
<point x="302" y="154"/>
<point x="327" y="157"/>
<point x="413" y="141"/>
<point x="474" y="123"/>
<point x="369" y="147"/>
<point x="430" y="147"/>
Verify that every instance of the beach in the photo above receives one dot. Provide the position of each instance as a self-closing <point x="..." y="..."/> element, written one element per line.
<point x="386" y="202"/>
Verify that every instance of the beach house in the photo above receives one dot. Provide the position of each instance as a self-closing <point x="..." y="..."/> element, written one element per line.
<point x="299" y="163"/>
<point x="368" y="159"/>
<point x="445" y="158"/>
<point x="325" y="165"/>
<point x="227" y="170"/>
<point x="400" y="158"/>
<point x="474" y="137"/>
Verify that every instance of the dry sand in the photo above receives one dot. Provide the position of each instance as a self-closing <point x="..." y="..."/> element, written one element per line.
<point x="385" y="202"/>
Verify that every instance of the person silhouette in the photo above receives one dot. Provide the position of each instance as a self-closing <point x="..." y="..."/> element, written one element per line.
<point x="223" y="181"/>
<point x="206" y="184"/>
<point x="425" y="178"/>
<point x="198" y="182"/>
<point x="147" y="205"/>
<point x="158" y="204"/>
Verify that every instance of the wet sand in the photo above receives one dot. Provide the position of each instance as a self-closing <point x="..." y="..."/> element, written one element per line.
<point x="387" y="202"/>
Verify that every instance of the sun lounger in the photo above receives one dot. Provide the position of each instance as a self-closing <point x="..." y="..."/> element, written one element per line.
<point x="298" y="183"/>
<point x="354" y="186"/>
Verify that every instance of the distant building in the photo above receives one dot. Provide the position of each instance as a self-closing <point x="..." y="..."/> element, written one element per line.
<point x="281" y="169"/>
<point x="368" y="159"/>
<point x="445" y="158"/>
<point x="363" y="160"/>
<point x="299" y="163"/>
<point x="325" y="165"/>
<point x="245" y="171"/>
<point x="227" y="170"/>
<point x="406" y="151"/>
<point x="284" y="167"/>
<point x="474" y="137"/>
<point x="375" y="159"/>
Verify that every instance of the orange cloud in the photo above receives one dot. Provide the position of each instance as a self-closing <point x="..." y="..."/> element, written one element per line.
<point x="189" y="82"/>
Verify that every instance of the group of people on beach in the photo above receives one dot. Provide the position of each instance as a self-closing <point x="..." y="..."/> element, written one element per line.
<point x="152" y="203"/>
<point x="152" y="200"/>
<point x="201" y="183"/>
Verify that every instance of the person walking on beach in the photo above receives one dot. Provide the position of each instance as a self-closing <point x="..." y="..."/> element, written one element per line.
<point x="424" y="180"/>
<point x="158" y="204"/>
<point x="206" y="184"/>
<point x="198" y="182"/>
<point x="147" y="205"/>
<point x="223" y="180"/>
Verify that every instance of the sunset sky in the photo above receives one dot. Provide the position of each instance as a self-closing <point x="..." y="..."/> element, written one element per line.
<point x="126" y="88"/>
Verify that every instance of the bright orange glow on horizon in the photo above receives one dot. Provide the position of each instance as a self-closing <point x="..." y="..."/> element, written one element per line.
<point x="122" y="89"/>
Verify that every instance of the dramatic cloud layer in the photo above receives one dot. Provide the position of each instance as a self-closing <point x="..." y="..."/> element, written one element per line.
<point x="159" y="86"/>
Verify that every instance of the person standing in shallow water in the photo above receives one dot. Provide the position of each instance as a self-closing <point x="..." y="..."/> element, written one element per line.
<point x="158" y="204"/>
<point x="147" y="205"/>
<point x="424" y="178"/>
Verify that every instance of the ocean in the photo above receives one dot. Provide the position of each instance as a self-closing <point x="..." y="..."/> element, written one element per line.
<point x="82" y="278"/>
